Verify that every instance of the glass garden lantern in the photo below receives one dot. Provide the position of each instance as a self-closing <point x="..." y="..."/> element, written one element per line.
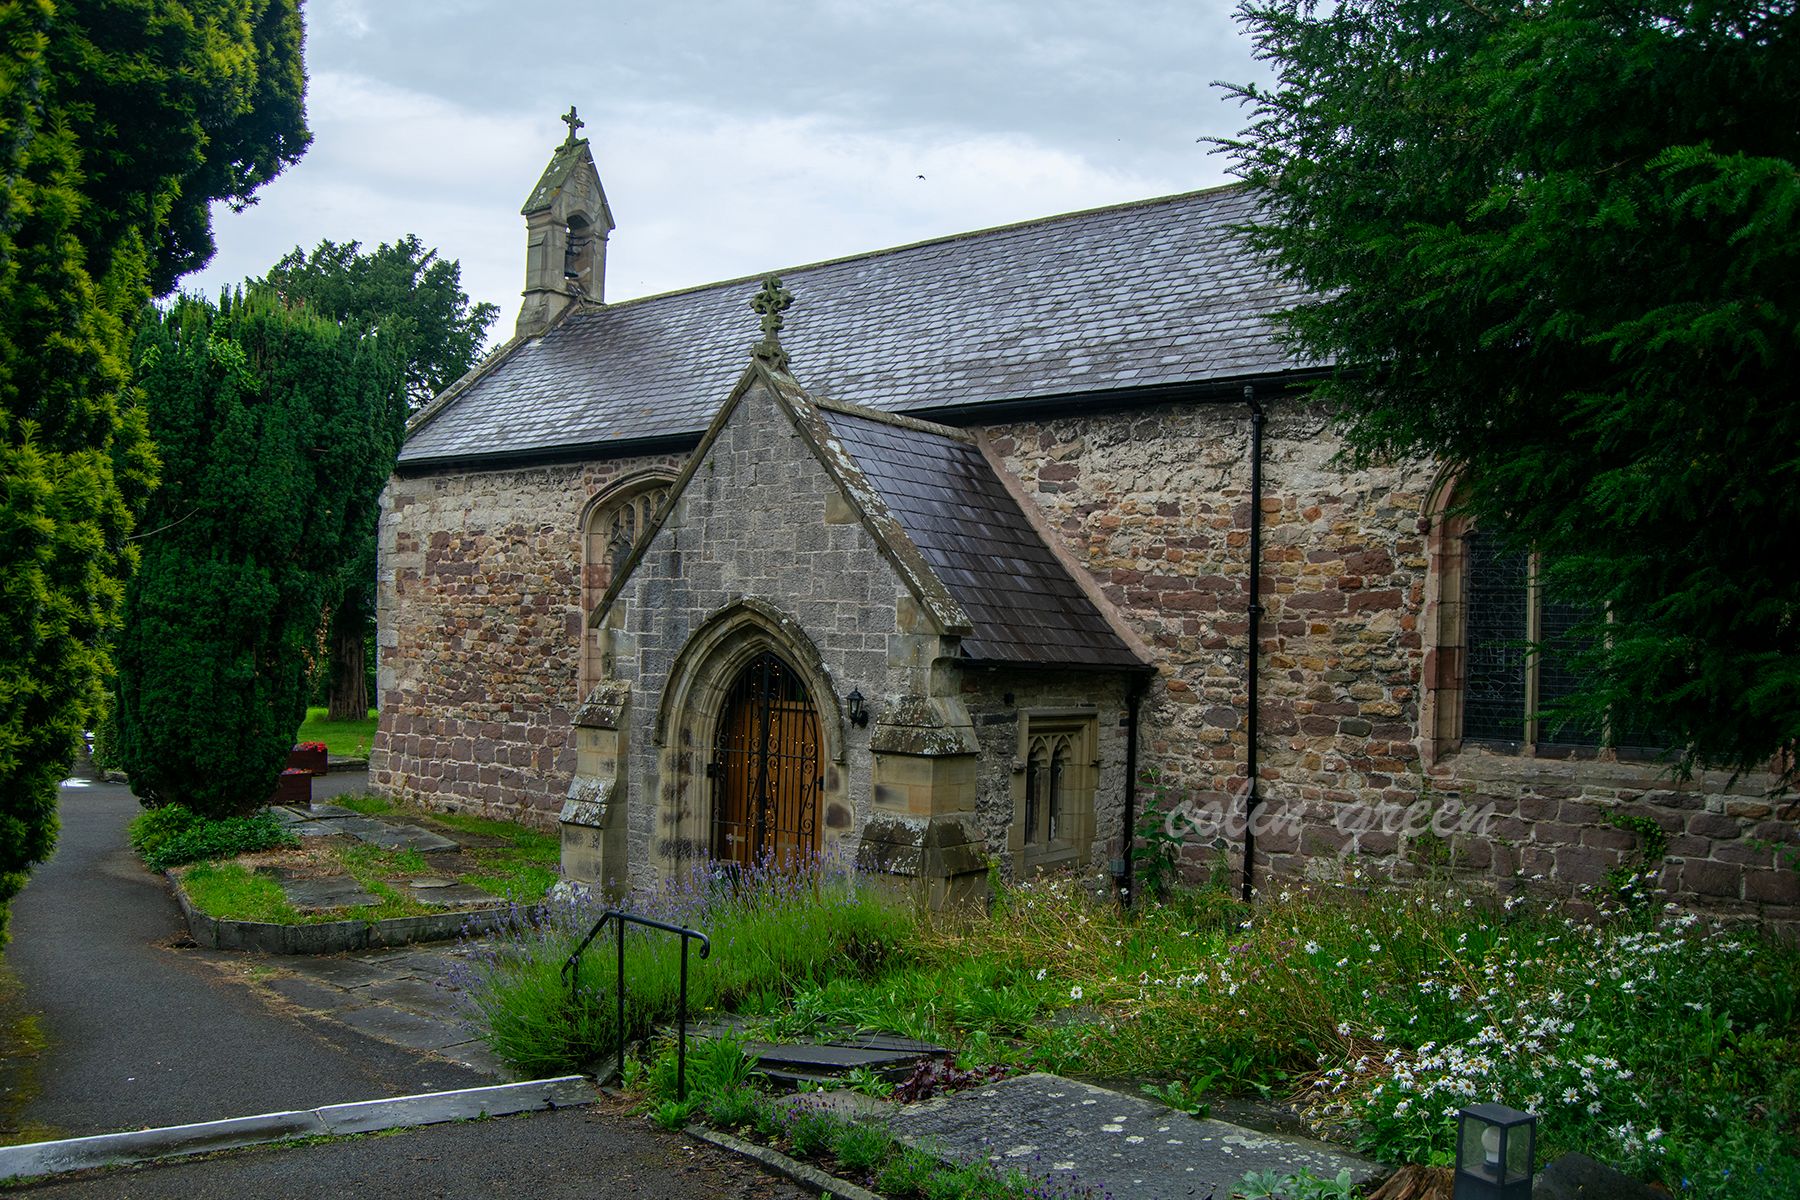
<point x="1496" y="1153"/>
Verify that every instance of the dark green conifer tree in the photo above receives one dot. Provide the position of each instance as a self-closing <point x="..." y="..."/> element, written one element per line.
<point x="120" y="122"/>
<point x="415" y="300"/>
<point x="1555" y="245"/>
<point x="277" y="430"/>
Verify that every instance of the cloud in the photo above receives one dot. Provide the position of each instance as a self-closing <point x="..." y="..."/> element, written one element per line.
<point x="736" y="137"/>
<point x="700" y="195"/>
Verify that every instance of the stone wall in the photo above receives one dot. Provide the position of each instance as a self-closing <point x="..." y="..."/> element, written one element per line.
<point x="1156" y="501"/>
<point x="761" y="550"/>
<point x="999" y="701"/>
<point x="480" y="627"/>
<point x="478" y="653"/>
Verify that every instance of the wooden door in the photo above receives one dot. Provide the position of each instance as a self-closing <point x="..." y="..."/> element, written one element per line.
<point x="766" y="769"/>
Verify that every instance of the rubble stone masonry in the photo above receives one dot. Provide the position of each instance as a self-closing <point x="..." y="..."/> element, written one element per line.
<point x="480" y="635"/>
<point x="1156" y="503"/>
<point x="478" y="655"/>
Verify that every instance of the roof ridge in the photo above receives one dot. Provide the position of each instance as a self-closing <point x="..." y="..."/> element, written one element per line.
<point x="940" y="240"/>
<point x="897" y="420"/>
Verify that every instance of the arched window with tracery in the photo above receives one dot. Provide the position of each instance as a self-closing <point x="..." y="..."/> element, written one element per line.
<point x="1055" y="812"/>
<point x="615" y="522"/>
<point x="1506" y="652"/>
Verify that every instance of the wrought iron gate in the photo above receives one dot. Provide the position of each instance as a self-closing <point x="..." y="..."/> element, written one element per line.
<point x="765" y="768"/>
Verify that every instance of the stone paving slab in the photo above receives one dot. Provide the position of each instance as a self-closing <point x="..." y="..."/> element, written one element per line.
<point x="450" y="895"/>
<point x="317" y="812"/>
<point x="406" y="1028"/>
<point x="340" y="972"/>
<point x="476" y="1056"/>
<point x="313" y="996"/>
<point x="1124" y="1146"/>
<point x="326" y="820"/>
<point x="829" y="1059"/>
<point x="424" y="964"/>
<point x="320" y="892"/>
<point x="403" y="837"/>
<point x="425" y="995"/>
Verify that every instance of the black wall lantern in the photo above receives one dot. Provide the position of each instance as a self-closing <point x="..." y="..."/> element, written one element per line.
<point x="859" y="716"/>
<point x="1496" y="1153"/>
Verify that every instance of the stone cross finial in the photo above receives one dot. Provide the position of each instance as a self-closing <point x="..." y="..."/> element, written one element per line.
<point x="574" y="123"/>
<point x="770" y="303"/>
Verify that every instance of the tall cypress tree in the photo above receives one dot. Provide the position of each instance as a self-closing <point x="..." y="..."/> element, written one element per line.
<point x="120" y="122"/>
<point x="277" y="430"/>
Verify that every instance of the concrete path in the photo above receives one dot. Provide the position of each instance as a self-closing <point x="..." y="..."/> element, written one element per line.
<point x="139" y="1033"/>
<point x="569" y="1154"/>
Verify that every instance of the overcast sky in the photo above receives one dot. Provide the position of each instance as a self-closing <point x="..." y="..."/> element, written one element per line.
<point x="736" y="137"/>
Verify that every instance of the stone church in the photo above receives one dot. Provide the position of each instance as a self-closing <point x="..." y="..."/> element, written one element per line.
<point x="952" y="556"/>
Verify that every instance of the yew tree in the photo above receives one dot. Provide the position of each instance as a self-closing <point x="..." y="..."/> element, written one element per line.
<point x="276" y="428"/>
<point x="121" y="121"/>
<point x="1555" y="245"/>
<point x="415" y="301"/>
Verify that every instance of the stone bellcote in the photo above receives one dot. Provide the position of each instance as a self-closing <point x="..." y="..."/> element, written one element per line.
<point x="566" y="224"/>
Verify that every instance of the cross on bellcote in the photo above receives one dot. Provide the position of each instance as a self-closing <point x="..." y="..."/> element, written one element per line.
<point x="574" y="123"/>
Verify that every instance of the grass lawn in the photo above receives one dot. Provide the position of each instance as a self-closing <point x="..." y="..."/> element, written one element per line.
<point x="514" y="862"/>
<point x="347" y="739"/>
<point x="1648" y="1038"/>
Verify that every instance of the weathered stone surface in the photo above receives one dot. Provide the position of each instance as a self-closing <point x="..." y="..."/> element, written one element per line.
<point x="320" y="892"/>
<point x="449" y="895"/>
<point x="481" y="647"/>
<point x="406" y="837"/>
<point x="1124" y="1146"/>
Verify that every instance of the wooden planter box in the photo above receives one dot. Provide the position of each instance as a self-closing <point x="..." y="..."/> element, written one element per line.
<point x="294" y="787"/>
<point x="311" y="761"/>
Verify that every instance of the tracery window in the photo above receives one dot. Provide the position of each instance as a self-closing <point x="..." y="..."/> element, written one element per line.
<point x="609" y="535"/>
<point x="1046" y="778"/>
<point x="1054" y="820"/>
<point x="1518" y="649"/>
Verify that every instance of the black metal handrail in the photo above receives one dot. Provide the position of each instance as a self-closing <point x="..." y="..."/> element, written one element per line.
<point x="571" y="974"/>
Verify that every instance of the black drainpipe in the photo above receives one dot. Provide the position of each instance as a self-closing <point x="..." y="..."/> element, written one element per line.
<point x="1251" y="797"/>
<point x="1127" y="874"/>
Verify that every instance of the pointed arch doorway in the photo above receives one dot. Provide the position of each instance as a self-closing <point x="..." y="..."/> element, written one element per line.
<point x="766" y="768"/>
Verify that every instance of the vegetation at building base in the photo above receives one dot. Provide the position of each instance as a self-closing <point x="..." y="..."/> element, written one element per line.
<point x="1552" y="245"/>
<point x="1645" y="1037"/>
<point x="113" y="145"/>
<point x="403" y="293"/>
<point x="277" y="430"/>
<point x="722" y="1093"/>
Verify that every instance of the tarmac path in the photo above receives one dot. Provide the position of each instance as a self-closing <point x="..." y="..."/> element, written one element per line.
<point x="597" y="1153"/>
<point x="139" y="1033"/>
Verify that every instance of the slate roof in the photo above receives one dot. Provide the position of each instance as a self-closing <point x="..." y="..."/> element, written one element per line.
<point x="1155" y="293"/>
<point x="1024" y="605"/>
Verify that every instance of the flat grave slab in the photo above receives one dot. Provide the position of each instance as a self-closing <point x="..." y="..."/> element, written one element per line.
<point x="319" y="892"/>
<point x="449" y="894"/>
<point x="1124" y="1146"/>
<point x="406" y="1029"/>
<point x="340" y="972"/>
<point x="401" y="837"/>
<point x="421" y="995"/>
<point x="321" y="812"/>
<point x="310" y="995"/>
